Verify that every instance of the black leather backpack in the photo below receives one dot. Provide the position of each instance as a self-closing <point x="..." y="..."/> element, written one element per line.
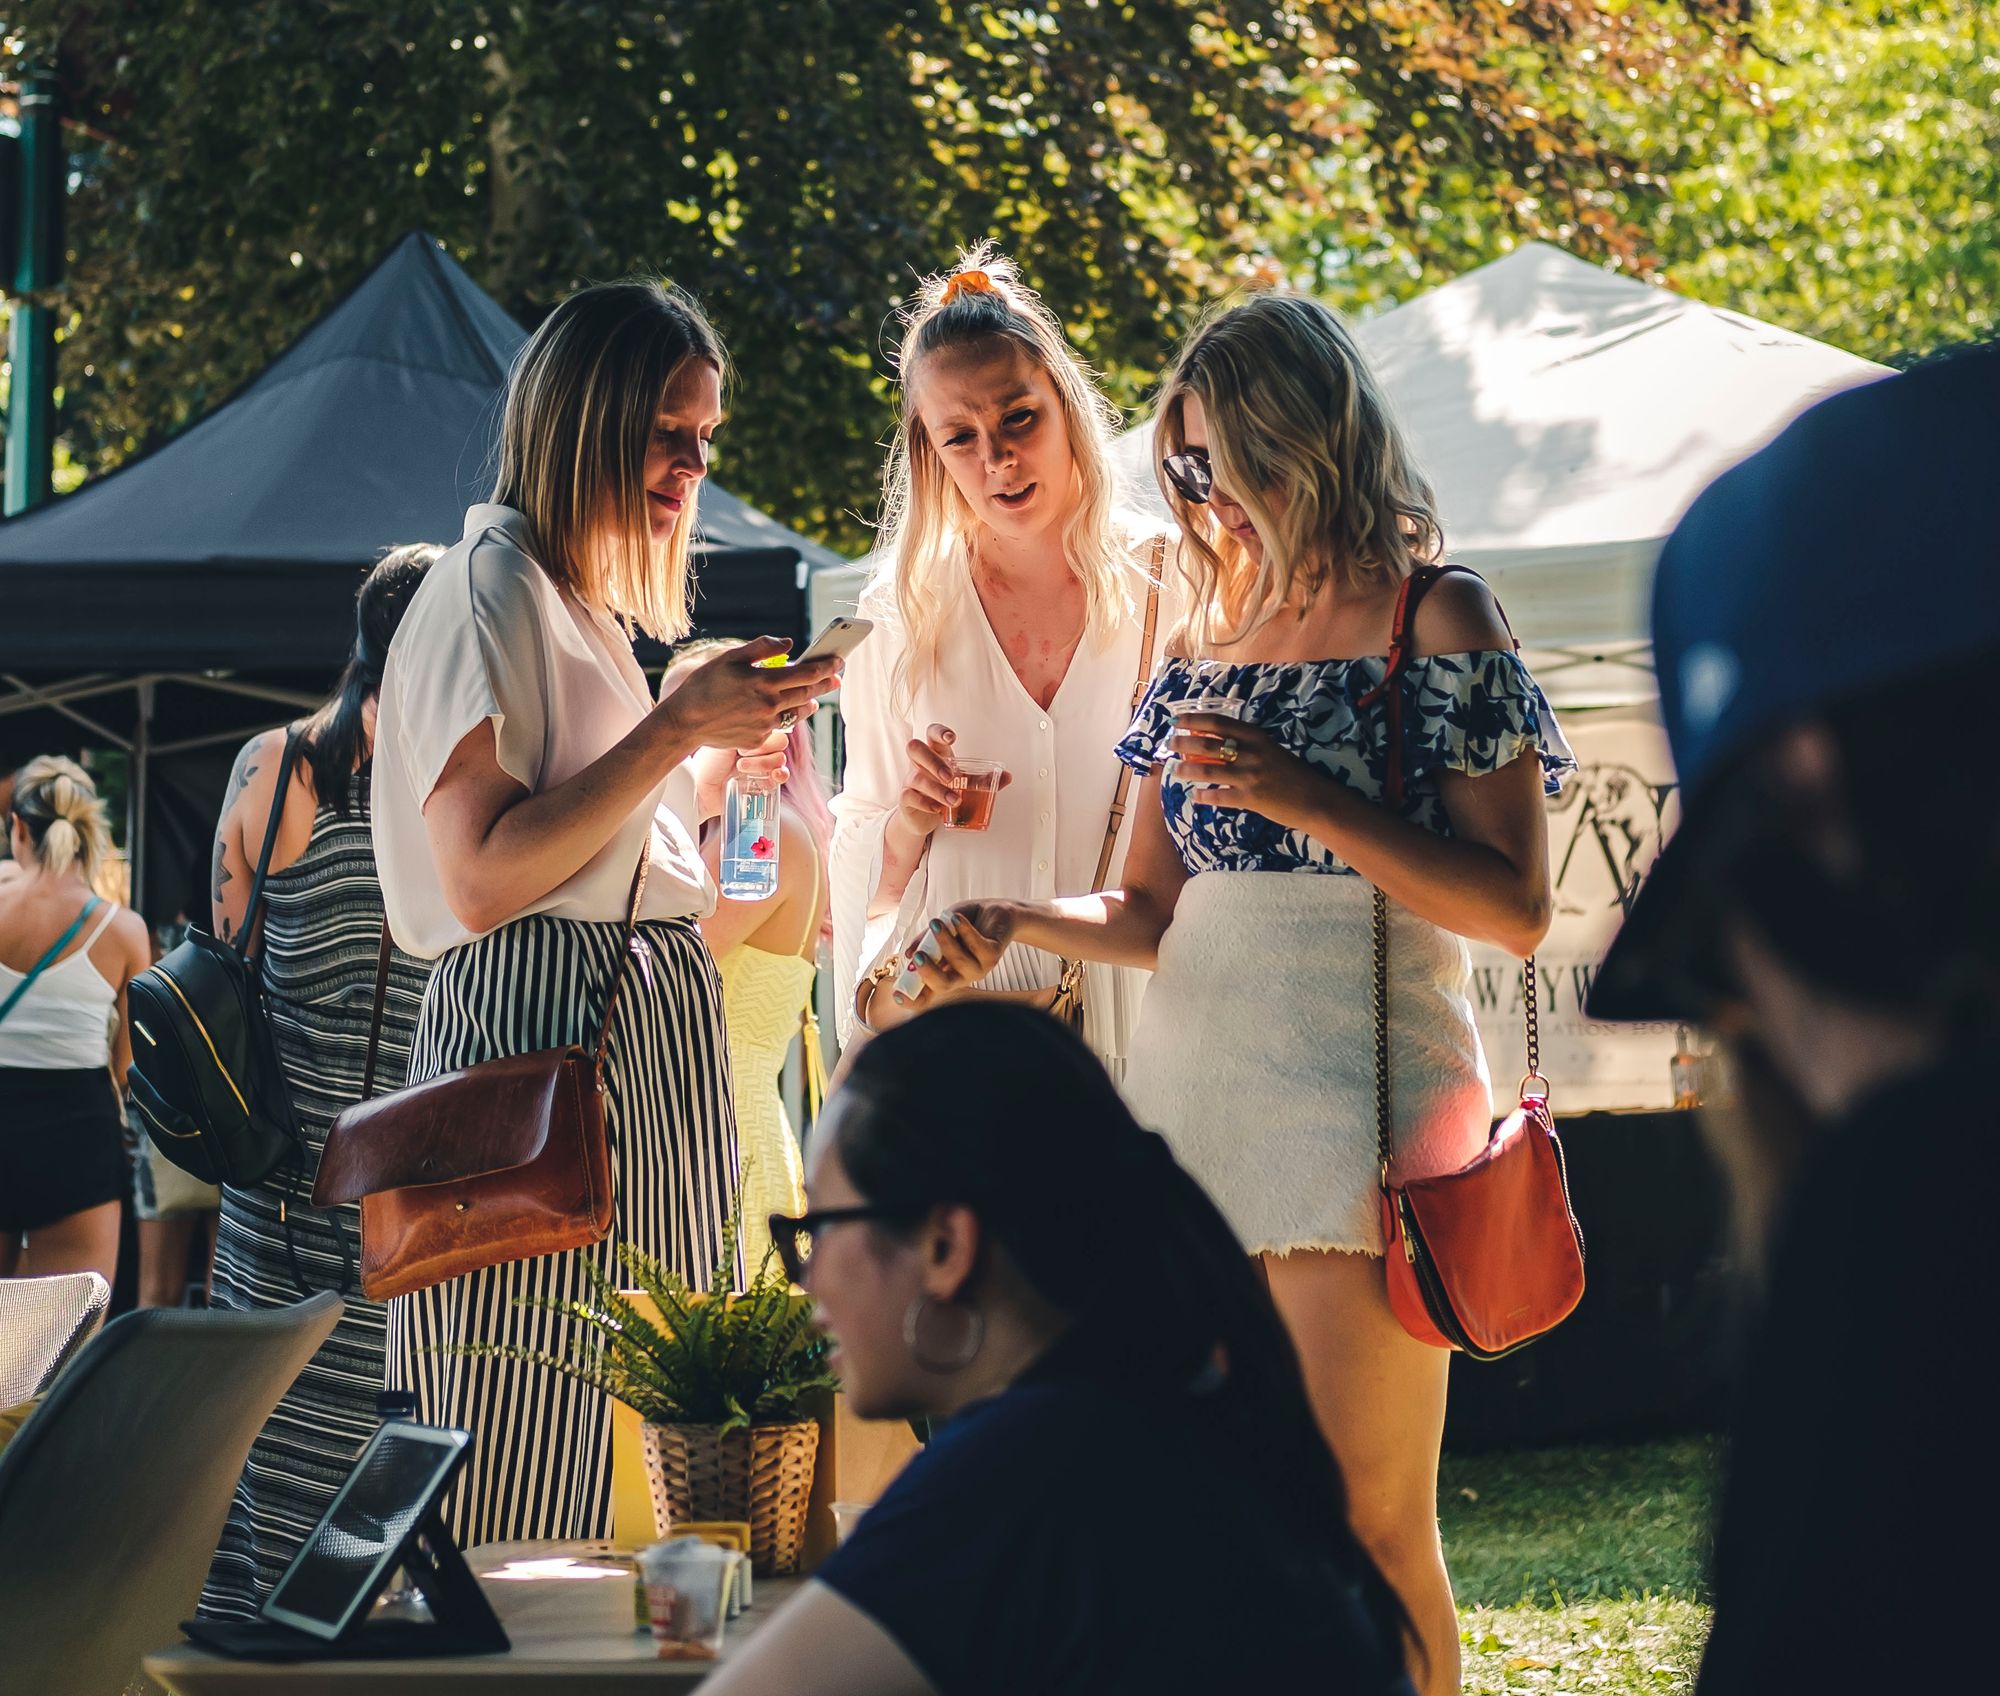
<point x="205" y="1075"/>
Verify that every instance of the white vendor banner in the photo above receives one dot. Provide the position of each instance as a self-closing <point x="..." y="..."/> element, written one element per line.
<point x="1604" y="832"/>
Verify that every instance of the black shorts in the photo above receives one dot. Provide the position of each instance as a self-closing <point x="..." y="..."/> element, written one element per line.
<point x="62" y="1144"/>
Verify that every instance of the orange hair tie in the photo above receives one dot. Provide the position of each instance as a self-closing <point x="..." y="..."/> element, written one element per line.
<point x="966" y="282"/>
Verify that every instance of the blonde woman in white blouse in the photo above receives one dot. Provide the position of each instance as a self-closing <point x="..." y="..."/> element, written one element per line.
<point x="521" y="767"/>
<point x="1010" y="610"/>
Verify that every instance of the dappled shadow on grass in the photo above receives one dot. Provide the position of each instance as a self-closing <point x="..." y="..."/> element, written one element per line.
<point x="1582" y="1568"/>
<point x="1619" y="1648"/>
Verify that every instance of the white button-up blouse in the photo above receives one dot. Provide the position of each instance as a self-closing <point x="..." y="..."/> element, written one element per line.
<point x="490" y="635"/>
<point x="1048" y="824"/>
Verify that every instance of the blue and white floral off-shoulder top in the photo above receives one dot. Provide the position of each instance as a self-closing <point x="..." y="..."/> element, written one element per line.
<point x="1470" y="712"/>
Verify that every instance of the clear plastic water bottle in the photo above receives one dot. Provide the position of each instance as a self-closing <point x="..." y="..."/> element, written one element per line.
<point x="750" y="838"/>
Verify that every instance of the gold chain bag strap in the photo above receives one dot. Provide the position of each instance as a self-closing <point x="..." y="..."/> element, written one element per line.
<point x="503" y="1160"/>
<point x="1488" y="1257"/>
<point x="1068" y="1002"/>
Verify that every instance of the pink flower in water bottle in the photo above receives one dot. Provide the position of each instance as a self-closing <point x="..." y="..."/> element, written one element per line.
<point x="763" y="848"/>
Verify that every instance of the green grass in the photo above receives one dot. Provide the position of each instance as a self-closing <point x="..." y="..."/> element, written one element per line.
<point x="1581" y="1569"/>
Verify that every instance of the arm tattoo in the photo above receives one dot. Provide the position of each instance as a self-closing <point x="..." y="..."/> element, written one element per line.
<point x="221" y="876"/>
<point x="244" y="770"/>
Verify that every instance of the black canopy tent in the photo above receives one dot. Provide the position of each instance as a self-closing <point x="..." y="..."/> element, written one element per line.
<point x="206" y="588"/>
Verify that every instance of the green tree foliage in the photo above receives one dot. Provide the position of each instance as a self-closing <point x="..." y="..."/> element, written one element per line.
<point x="1850" y="188"/>
<point x="795" y="162"/>
<point x="1830" y="167"/>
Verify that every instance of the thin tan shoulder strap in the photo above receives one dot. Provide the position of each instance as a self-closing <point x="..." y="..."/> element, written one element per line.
<point x="1147" y="632"/>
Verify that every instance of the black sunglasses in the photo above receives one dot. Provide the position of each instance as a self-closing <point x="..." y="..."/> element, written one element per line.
<point x="1192" y="476"/>
<point x="793" y="1237"/>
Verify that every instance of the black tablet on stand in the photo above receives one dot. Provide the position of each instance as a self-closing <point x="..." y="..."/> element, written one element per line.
<point x="384" y="1518"/>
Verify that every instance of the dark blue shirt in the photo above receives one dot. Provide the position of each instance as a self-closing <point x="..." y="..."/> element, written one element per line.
<point x="1058" y="1538"/>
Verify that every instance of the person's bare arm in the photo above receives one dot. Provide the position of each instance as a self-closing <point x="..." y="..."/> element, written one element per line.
<point x="239" y="830"/>
<point x="131" y="953"/>
<point x="819" y="1644"/>
<point x="1120" y="927"/>
<point x="499" y="849"/>
<point x="781" y="916"/>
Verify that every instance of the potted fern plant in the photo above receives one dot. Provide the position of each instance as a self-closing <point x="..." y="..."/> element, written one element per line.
<point x="720" y="1382"/>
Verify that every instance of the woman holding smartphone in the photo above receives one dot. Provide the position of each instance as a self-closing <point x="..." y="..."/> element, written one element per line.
<point x="1012" y="608"/>
<point x="1265" y="831"/>
<point x="523" y="776"/>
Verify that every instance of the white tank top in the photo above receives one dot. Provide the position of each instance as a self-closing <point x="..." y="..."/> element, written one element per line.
<point x="65" y="1018"/>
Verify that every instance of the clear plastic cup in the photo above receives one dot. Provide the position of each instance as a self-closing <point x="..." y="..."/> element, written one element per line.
<point x="687" y="1595"/>
<point x="975" y="801"/>
<point x="1222" y="706"/>
<point x="846" y="1516"/>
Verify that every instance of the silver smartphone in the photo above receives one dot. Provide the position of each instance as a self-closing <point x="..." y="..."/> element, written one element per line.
<point x="839" y="639"/>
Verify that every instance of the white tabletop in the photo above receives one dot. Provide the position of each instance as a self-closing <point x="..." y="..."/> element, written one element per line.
<point x="565" y="1633"/>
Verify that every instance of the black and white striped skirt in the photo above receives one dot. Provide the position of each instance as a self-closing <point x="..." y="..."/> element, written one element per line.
<point x="540" y="1464"/>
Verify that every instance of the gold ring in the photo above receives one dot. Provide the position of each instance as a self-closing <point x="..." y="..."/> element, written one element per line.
<point x="1229" y="750"/>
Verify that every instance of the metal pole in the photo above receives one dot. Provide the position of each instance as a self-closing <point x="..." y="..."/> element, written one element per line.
<point x="135" y="800"/>
<point x="31" y="336"/>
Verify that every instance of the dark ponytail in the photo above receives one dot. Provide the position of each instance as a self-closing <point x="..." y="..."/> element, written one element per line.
<point x="1002" y="1109"/>
<point x="333" y="735"/>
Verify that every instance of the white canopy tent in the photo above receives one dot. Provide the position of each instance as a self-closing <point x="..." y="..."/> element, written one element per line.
<point x="1566" y="417"/>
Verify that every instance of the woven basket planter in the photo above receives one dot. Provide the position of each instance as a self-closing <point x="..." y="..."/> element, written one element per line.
<point x="763" y="1475"/>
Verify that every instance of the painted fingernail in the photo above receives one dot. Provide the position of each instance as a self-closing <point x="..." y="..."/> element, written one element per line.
<point x="937" y="927"/>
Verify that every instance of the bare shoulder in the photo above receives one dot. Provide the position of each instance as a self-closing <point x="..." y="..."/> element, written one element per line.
<point x="253" y="780"/>
<point x="1459" y="615"/>
<point x="134" y="939"/>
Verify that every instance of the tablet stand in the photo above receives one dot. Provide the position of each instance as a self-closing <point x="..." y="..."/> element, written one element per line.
<point x="462" y="1621"/>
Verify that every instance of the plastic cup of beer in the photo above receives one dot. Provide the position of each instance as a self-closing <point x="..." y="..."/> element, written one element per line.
<point x="974" y="810"/>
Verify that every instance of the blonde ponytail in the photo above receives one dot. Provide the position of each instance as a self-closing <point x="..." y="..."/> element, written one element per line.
<point x="56" y="800"/>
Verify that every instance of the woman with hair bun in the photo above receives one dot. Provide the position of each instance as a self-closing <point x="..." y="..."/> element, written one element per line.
<point x="1268" y="825"/>
<point x="66" y="957"/>
<point x="318" y="931"/>
<point x="1015" y="612"/>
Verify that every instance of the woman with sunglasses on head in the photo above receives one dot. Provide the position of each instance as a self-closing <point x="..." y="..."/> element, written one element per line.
<point x="1015" y="613"/>
<point x="1264" y="833"/>
<point x="1129" y="1494"/>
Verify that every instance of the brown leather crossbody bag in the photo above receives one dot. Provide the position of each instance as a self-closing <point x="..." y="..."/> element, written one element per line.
<point x="504" y="1160"/>
<point x="1488" y="1257"/>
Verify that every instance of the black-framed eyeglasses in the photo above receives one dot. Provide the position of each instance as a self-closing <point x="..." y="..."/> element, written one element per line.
<point x="1192" y="476"/>
<point x="793" y="1236"/>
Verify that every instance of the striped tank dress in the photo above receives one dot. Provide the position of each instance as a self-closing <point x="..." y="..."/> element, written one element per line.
<point x="322" y="932"/>
<point x="540" y="1460"/>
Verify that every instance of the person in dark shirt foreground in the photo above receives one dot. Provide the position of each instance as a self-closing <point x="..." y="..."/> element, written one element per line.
<point x="1129" y="1493"/>
<point x="1826" y="627"/>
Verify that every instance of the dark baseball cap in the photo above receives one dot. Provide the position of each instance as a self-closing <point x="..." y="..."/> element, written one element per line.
<point x="1859" y="549"/>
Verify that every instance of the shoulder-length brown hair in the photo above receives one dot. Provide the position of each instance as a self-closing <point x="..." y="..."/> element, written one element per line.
<point x="583" y="398"/>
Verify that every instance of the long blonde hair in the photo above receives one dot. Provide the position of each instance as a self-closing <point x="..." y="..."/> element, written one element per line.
<point x="927" y="527"/>
<point x="56" y="800"/>
<point x="582" y="401"/>
<point x="1291" y="406"/>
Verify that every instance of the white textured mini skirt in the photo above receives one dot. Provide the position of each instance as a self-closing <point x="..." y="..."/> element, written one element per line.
<point x="1254" y="1054"/>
